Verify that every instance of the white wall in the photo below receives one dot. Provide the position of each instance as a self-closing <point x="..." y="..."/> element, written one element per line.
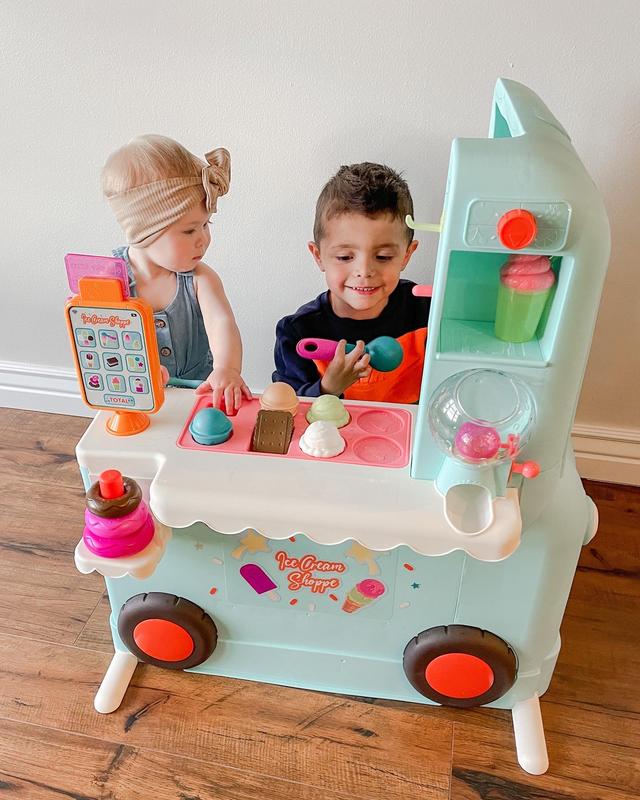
<point x="294" y="89"/>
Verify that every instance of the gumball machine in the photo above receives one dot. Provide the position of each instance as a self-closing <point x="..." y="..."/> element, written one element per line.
<point x="481" y="419"/>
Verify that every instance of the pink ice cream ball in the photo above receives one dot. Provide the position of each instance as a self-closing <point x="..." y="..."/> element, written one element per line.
<point x="477" y="442"/>
<point x="370" y="587"/>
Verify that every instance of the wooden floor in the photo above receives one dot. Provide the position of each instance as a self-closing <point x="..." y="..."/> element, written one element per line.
<point x="193" y="737"/>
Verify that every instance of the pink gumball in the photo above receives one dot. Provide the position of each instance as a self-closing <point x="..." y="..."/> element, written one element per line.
<point x="477" y="442"/>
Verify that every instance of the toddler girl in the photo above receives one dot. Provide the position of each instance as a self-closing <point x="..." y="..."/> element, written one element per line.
<point x="163" y="197"/>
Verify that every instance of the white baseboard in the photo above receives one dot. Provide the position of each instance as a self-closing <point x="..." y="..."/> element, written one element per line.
<point x="607" y="454"/>
<point x="602" y="453"/>
<point x="34" y="387"/>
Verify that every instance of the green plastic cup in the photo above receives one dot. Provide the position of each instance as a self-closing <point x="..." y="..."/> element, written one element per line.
<point x="518" y="313"/>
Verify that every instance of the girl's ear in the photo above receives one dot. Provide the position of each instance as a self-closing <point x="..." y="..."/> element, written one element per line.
<point x="315" y="252"/>
<point x="411" y="249"/>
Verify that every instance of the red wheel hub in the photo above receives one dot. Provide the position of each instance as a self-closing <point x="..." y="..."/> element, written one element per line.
<point x="163" y="640"/>
<point x="459" y="675"/>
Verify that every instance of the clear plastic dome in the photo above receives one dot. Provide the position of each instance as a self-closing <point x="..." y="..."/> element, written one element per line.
<point x="482" y="416"/>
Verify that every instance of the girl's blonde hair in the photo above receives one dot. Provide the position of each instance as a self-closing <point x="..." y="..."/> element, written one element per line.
<point x="152" y="181"/>
<point x="146" y="159"/>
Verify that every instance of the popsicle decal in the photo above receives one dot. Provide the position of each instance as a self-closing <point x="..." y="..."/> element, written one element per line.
<point x="259" y="581"/>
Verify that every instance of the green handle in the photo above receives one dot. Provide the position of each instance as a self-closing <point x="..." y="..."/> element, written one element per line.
<point x="183" y="383"/>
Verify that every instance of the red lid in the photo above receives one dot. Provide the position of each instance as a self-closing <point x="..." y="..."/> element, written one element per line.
<point x="517" y="228"/>
<point x="111" y="484"/>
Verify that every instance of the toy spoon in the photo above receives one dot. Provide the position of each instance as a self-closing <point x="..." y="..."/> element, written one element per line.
<point x="385" y="351"/>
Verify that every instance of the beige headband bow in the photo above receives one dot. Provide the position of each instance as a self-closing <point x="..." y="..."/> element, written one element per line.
<point x="216" y="176"/>
<point x="146" y="211"/>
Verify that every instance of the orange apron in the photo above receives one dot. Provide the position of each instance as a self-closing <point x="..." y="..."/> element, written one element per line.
<point x="401" y="385"/>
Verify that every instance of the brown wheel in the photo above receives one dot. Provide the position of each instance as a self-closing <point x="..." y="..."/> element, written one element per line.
<point x="166" y="630"/>
<point x="457" y="665"/>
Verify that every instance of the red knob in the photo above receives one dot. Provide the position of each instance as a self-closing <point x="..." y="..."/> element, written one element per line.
<point x="528" y="469"/>
<point x="111" y="484"/>
<point x="517" y="228"/>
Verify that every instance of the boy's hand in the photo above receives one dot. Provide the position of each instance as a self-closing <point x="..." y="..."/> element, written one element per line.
<point x="226" y="382"/>
<point x="345" y="368"/>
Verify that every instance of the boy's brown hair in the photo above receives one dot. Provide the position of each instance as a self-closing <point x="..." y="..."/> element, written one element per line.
<point x="365" y="188"/>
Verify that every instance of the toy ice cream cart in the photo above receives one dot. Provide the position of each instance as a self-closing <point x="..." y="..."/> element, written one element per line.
<point x="431" y="559"/>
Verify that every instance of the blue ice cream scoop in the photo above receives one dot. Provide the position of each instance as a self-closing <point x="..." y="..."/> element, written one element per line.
<point x="210" y="426"/>
<point x="386" y="352"/>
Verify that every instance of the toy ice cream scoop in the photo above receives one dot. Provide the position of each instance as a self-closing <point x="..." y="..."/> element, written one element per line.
<point x="117" y="520"/>
<point x="210" y="426"/>
<point x="279" y="396"/>
<point x="329" y="408"/>
<point x="322" y="440"/>
<point x="386" y="352"/>
<point x="363" y="594"/>
<point x="525" y="284"/>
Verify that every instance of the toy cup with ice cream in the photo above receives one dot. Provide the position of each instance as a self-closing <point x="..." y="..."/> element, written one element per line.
<point x="363" y="594"/>
<point x="117" y="520"/>
<point x="525" y="284"/>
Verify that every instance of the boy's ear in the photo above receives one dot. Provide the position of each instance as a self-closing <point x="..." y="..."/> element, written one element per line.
<point x="315" y="252"/>
<point x="411" y="249"/>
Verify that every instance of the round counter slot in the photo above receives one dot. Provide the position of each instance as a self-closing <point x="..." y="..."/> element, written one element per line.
<point x="381" y="423"/>
<point x="377" y="450"/>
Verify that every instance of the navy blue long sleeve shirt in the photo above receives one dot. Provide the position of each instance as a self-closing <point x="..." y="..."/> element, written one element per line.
<point x="404" y="317"/>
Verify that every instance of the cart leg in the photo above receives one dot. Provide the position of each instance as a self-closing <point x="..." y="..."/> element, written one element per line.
<point x="115" y="682"/>
<point x="592" y="527"/>
<point x="531" y="747"/>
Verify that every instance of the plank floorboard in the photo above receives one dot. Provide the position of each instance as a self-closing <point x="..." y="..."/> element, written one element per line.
<point x="195" y="737"/>
<point x="84" y="768"/>
<point x="284" y="733"/>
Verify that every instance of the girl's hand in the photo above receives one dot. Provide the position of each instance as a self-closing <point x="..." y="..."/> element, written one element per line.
<point x="345" y="368"/>
<point x="226" y="382"/>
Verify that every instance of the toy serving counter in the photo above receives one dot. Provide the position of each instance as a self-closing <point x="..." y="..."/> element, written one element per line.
<point x="422" y="562"/>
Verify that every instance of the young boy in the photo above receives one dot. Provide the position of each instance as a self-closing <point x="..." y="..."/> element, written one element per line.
<point x="362" y="245"/>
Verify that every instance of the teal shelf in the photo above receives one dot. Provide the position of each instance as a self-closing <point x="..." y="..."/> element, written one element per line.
<point x="460" y="338"/>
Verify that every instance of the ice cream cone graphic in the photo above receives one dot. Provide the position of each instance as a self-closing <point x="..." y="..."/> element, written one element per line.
<point x="363" y="594"/>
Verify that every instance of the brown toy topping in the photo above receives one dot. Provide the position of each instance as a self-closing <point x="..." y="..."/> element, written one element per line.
<point x="273" y="432"/>
<point x="118" y="506"/>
